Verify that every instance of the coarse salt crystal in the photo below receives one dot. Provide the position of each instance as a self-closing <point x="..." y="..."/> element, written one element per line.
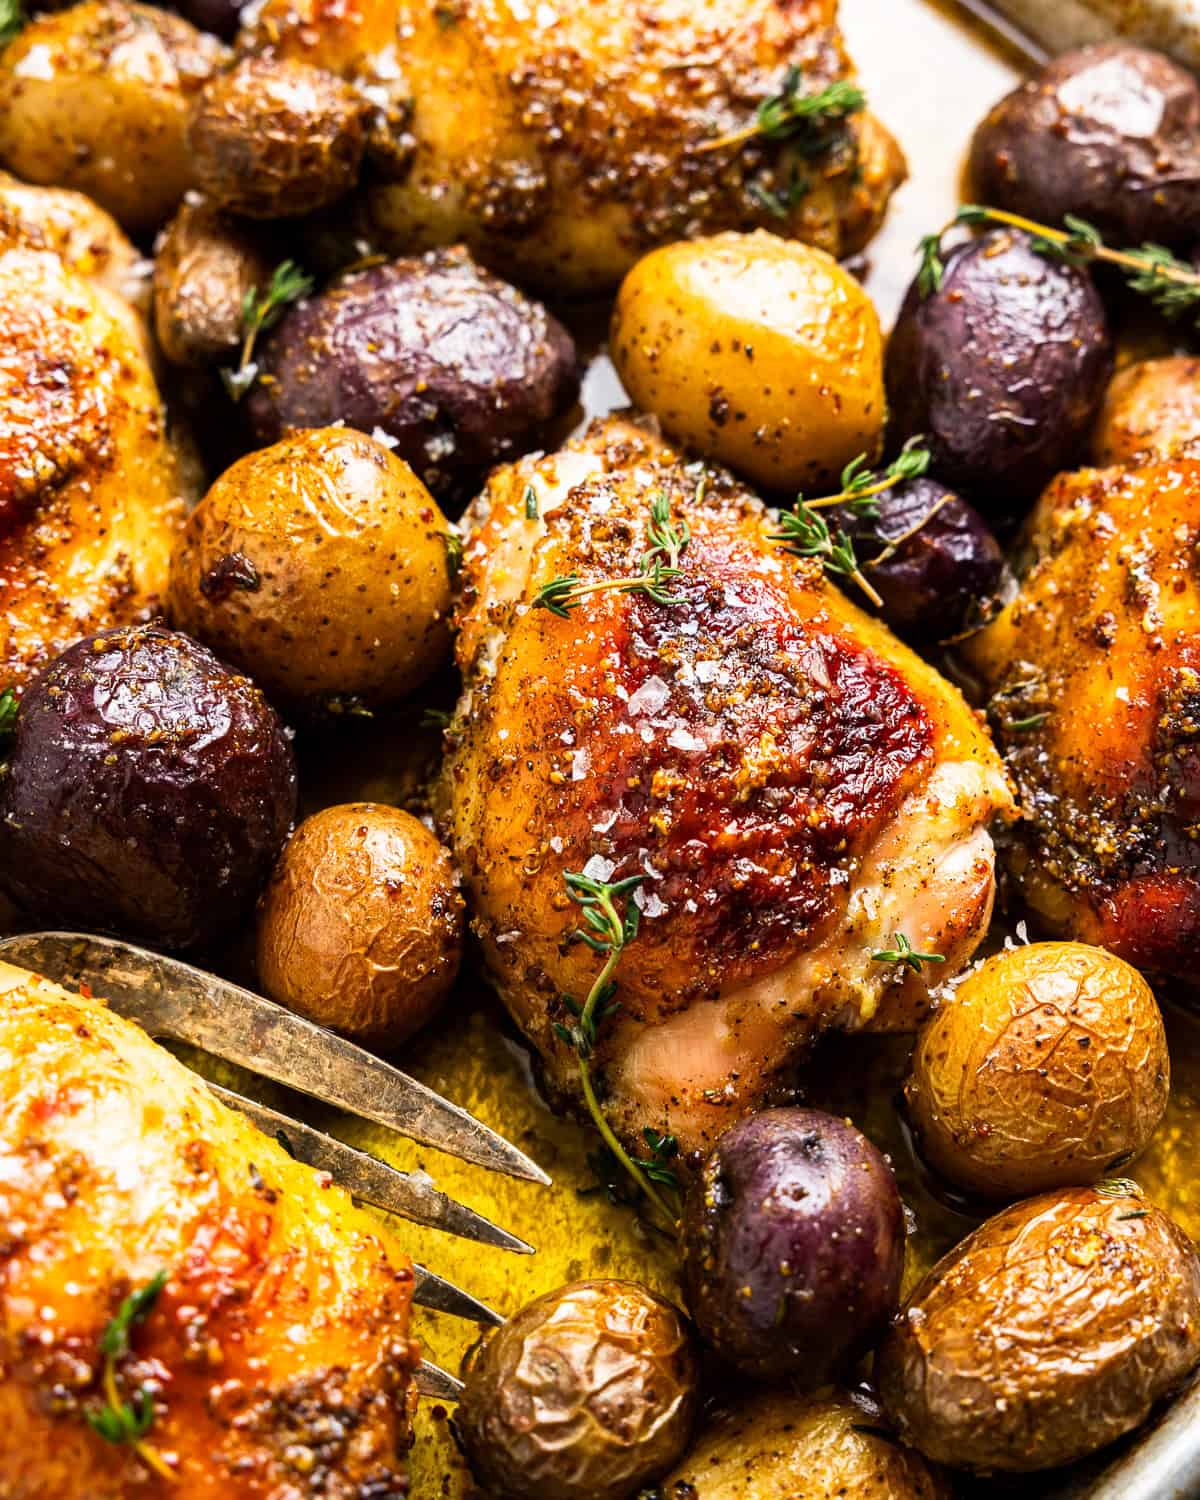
<point x="650" y="697"/>
<point x="598" y="868"/>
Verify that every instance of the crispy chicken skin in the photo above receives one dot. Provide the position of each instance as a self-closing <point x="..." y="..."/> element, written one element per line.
<point x="561" y="141"/>
<point x="1094" y="672"/>
<point x="278" y="1349"/>
<point x="91" y="487"/>
<point x="795" y="785"/>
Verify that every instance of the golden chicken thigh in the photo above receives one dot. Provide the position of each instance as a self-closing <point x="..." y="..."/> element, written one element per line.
<point x="561" y="141"/>
<point x="276" y="1355"/>
<point x="794" y="785"/>
<point x="1094" y="672"/>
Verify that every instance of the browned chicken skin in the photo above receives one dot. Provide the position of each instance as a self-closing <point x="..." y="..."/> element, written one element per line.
<point x="794" y="784"/>
<point x="562" y="141"/>
<point x="278" y="1349"/>
<point x="1095" y="675"/>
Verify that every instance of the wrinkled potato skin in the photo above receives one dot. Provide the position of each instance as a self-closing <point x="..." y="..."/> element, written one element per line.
<point x="111" y="121"/>
<point x="779" y="1446"/>
<point x="1045" y="1335"/>
<point x="588" y="1393"/>
<point x="1046" y="1065"/>
<point x="757" y="351"/>
<point x="319" y="565"/>
<point x="203" y="269"/>
<point x="1151" y="411"/>
<point x="1110" y="133"/>
<point x="361" y="926"/>
<point x="276" y="139"/>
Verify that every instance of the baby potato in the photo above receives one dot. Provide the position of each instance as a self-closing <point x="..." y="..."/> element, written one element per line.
<point x="1046" y="1334"/>
<point x="780" y="1446"/>
<point x="324" y="562"/>
<point x="204" y="267"/>
<point x="1151" y="410"/>
<point x="1047" y="1064"/>
<point x="97" y="98"/>
<point x="361" y="926"/>
<point x="274" y="138"/>
<point x="757" y="351"/>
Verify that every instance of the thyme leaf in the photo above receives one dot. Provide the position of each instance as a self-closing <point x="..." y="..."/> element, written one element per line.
<point x="903" y="952"/>
<point x="261" y="310"/>
<point x="861" y="484"/>
<point x="806" y="533"/>
<point x="9" y="705"/>
<point x="808" y="120"/>
<point x="127" y="1420"/>
<point x="12" y="19"/>
<point x="656" y="568"/>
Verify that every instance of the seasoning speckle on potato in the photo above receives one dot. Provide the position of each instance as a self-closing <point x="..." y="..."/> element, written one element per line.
<point x="760" y="352"/>
<point x="1046" y="1334"/>
<point x="321" y="565"/>
<point x="458" y="368"/>
<point x="361" y="926"/>
<point x="588" y="1393"/>
<point x="1047" y="1064"/>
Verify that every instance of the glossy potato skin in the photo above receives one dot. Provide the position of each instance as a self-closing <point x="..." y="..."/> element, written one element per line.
<point x="361" y="925"/>
<point x="1151" y="411"/>
<point x="951" y="358"/>
<point x="756" y="351"/>
<point x="320" y="566"/>
<point x="111" y="119"/>
<point x="204" y="267"/>
<point x="588" y="1393"/>
<point x="794" y="1245"/>
<point x="459" y="368"/>
<point x="1110" y="133"/>
<point x="1046" y="1334"/>
<point x="148" y="791"/>
<point x="274" y="139"/>
<point x="1047" y="1064"/>
<point x="782" y="1446"/>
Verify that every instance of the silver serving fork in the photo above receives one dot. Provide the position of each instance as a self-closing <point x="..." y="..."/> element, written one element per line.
<point x="173" y="1001"/>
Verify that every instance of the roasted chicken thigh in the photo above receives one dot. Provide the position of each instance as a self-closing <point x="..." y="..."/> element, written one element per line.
<point x="794" y="786"/>
<point x="275" y="1359"/>
<point x="561" y="141"/>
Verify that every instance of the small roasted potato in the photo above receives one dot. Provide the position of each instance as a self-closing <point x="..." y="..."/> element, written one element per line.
<point x="757" y="351"/>
<point x="1046" y="1065"/>
<point x="1110" y="133"/>
<point x="361" y="925"/>
<point x="780" y="1446"/>
<point x="1000" y="308"/>
<point x="458" y="368"/>
<point x="321" y="565"/>
<point x="1046" y="1334"/>
<point x="97" y="98"/>
<point x="204" y="267"/>
<point x="1151" y="411"/>
<point x="274" y="138"/>
<point x="588" y="1393"/>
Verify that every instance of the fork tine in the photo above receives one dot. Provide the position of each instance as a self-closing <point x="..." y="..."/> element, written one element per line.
<point x="172" y="999"/>
<point x="440" y="1295"/>
<point x="436" y="1383"/>
<point x="371" y="1180"/>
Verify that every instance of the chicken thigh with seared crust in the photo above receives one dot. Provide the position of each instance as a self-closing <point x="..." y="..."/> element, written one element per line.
<point x="561" y="141"/>
<point x="794" y="785"/>
<point x="1094" y="676"/>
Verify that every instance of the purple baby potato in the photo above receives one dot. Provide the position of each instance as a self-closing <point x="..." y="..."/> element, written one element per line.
<point x="794" y="1245"/>
<point x="147" y="792"/>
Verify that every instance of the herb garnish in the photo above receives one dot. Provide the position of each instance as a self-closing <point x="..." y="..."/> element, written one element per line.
<point x="860" y="484"/>
<point x="1118" y="1187"/>
<point x="903" y="952"/>
<point x="806" y="534"/>
<point x="12" y="19"/>
<point x="9" y="705"/>
<point x="611" y="916"/>
<point x="119" y="1420"/>
<point x="531" y="503"/>
<point x="656" y="568"/>
<point x="454" y="551"/>
<point x="261" y="311"/>
<point x="1171" y="284"/>
<point x="781" y="202"/>
<point x="789" y="115"/>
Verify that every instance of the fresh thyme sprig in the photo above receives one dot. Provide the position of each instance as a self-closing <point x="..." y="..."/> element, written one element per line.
<point x="657" y="566"/>
<point x="806" y="534"/>
<point x="903" y="952"/>
<point x="611" y="918"/>
<point x="120" y="1420"/>
<point x="9" y="705"/>
<point x="261" y="311"/>
<point x="1152" y="271"/>
<point x="12" y="19"/>
<point x="862" y="484"/>
<point x="789" y="115"/>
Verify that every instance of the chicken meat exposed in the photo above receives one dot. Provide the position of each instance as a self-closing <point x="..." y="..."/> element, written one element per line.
<point x="562" y="141"/>
<point x="274" y="1363"/>
<point x="1094" y="677"/>
<point x="796" y="788"/>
